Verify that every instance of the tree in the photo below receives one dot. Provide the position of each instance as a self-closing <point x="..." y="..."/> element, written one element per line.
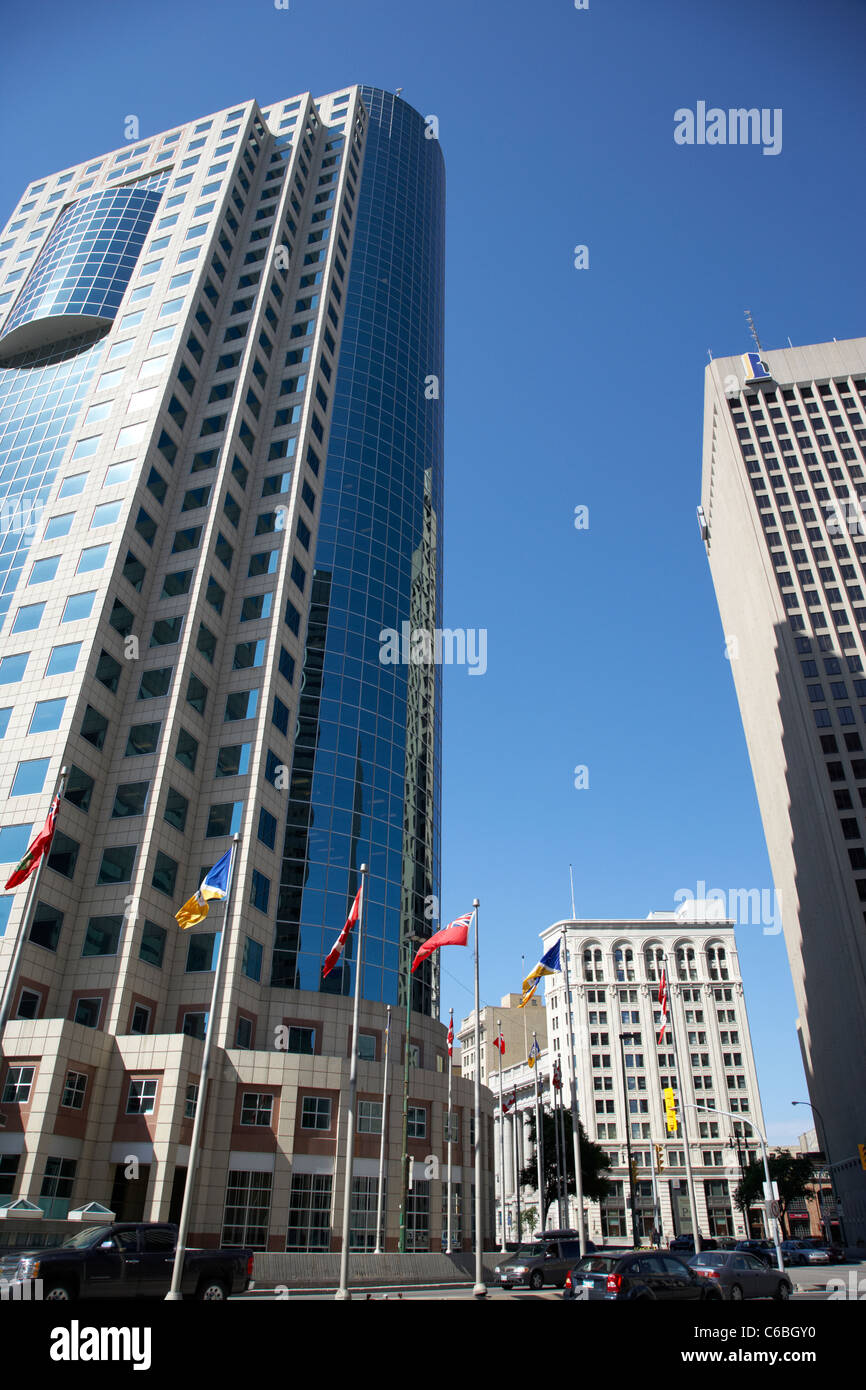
<point x="593" y="1163"/>
<point x="792" y="1174"/>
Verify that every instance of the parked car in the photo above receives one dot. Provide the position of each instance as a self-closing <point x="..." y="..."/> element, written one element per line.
<point x="685" y="1245"/>
<point x="741" y="1275"/>
<point x="833" y="1248"/>
<point x="808" y="1254"/>
<point x="651" y="1275"/>
<point x="127" y="1260"/>
<point x="756" y="1247"/>
<point x="545" y="1260"/>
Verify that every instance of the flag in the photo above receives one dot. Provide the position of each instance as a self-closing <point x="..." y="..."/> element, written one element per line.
<point x="510" y="1103"/>
<point x="35" y="851"/>
<point x="451" y="1035"/>
<point x="499" y="1044"/>
<point x="534" y="1051"/>
<point x="663" y="1000"/>
<point x="455" y="934"/>
<point x="336" y="950"/>
<point x="549" y="963"/>
<point x="557" y="1075"/>
<point x="214" y="885"/>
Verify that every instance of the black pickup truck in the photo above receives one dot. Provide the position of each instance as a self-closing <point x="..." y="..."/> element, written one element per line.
<point x="126" y="1260"/>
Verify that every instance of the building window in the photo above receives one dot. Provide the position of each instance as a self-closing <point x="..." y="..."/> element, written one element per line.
<point x="191" y="1101"/>
<point x="195" y="1025"/>
<point x="19" y="1081"/>
<point x="417" y="1122"/>
<point x="140" y="1019"/>
<point x="141" y="1099"/>
<point x="362" y="1213"/>
<point x="418" y="1214"/>
<point x="87" y="1011"/>
<point x="302" y="1040"/>
<point x="73" y="1091"/>
<point x="316" y="1112"/>
<point x="370" y="1117"/>
<point x="244" y="1033"/>
<point x="309" y="1226"/>
<point x="247" y="1209"/>
<point x="56" y="1191"/>
<point x="256" y="1108"/>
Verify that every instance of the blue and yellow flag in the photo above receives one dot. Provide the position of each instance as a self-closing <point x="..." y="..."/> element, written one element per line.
<point x="534" y="1052"/>
<point x="214" y="885"/>
<point x="548" y="964"/>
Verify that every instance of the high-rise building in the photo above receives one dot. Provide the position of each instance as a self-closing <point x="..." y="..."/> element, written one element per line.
<point x="782" y="520"/>
<point x="221" y="474"/>
<point x="615" y="969"/>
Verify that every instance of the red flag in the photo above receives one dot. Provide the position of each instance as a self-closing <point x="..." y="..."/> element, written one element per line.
<point x="454" y="934"/>
<point x="499" y="1044"/>
<point x="663" y="1000"/>
<point x="557" y="1075"/>
<point x="510" y="1103"/>
<point x="40" y="846"/>
<point x="451" y="1035"/>
<point x="336" y="950"/>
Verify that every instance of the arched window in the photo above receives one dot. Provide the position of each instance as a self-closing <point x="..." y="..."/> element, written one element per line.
<point x="718" y="963"/>
<point x="654" y="959"/>
<point x="623" y="958"/>
<point x="686" y="966"/>
<point x="592" y="965"/>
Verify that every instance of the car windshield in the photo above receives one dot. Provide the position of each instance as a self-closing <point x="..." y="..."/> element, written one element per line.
<point x="598" y="1264"/>
<point x="82" y="1238"/>
<point x="536" y="1248"/>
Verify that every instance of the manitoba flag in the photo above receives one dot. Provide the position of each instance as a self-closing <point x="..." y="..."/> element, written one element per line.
<point x="337" y="949"/>
<point x="663" y="1000"/>
<point x="40" y="846"/>
<point x="455" y="934"/>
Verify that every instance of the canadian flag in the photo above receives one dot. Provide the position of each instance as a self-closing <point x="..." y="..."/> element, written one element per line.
<point x="663" y="1000"/>
<point x="337" y="949"/>
<point x="499" y="1044"/>
<point x="510" y="1103"/>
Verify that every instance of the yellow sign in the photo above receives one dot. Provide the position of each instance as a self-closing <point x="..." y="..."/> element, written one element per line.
<point x="670" y="1110"/>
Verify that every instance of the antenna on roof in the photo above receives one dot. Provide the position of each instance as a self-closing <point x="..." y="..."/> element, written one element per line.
<point x="752" y="329"/>
<point x="710" y="353"/>
<point x="571" y="876"/>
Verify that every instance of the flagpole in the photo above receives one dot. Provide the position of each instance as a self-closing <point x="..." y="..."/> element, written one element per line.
<point x="174" y="1294"/>
<point x="539" y="1155"/>
<point x="575" y="1108"/>
<point x="343" y="1291"/>
<point x="514" y="1124"/>
<point x="502" y="1249"/>
<point x="404" y="1153"/>
<point x="448" y="1240"/>
<point x="380" y="1199"/>
<point x="480" y="1288"/>
<point x="690" y="1177"/>
<point x="26" y="917"/>
<point x="556" y="1106"/>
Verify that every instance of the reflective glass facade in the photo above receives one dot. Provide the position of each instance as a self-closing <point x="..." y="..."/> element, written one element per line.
<point x="365" y="784"/>
<point x="84" y="267"/>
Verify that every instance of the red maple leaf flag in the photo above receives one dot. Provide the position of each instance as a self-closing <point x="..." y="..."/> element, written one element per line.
<point x="663" y="1000"/>
<point x="509" y="1104"/>
<point x="455" y="934"/>
<point x="451" y="1035"/>
<point x="35" y="851"/>
<point x="337" y="949"/>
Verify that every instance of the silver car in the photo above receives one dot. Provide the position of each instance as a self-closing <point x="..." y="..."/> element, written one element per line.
<point x="739" y="1275"/>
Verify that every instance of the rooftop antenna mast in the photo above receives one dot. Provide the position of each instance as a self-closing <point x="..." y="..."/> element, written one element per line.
<point x="571" y="876"/>
<point x="752" y="329"/>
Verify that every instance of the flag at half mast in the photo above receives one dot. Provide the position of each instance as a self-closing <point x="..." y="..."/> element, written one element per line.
<point x="548" y="965"/>
<point x="214" y="885"/>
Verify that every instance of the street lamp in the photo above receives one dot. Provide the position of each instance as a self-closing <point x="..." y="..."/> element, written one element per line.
<point x="826" y="1149"/>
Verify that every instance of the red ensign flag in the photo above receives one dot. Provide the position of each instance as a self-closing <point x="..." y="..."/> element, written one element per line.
<point x="35" y="851"/>
<point x="455" y="934"/>
<point x="663" y="1000"/>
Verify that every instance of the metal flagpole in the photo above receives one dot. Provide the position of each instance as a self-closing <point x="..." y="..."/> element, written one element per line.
<point x="26" y="918"/>
<point x="380" y="1200"/>
<point x="502" y="1249"/>
<point x="514" y="1125"/>
<point x="343" y="1291"/>
<point x="480" y="1288"/>
<point x="564" y="1152"/>
<point x="539" y="1140"/>
<point x="575" y="1109"/>
<point x="657" y="1206"/>
<point x="556" y="1091"/>
<point x="404" y="1151"/>
<point x="448" y="1239"/>
<point x="174" y="1294"/>
<point x="690" y="1177"/>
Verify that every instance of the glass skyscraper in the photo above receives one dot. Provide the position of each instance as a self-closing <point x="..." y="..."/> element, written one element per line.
<point x="221" y="455"/>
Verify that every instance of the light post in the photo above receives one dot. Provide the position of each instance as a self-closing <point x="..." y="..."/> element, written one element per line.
<point x="826" y="1149"/>
<point x="632" y="1198"/>
<point x="713" y="1110"/>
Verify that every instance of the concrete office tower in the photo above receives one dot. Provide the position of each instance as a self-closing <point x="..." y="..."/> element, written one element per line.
<point x="221" y="473"/>
<point x="784" y="529"/>
<point x="615" y="970"/>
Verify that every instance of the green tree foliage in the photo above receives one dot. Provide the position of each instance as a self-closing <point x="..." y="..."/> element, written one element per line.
<point x="792" y="1174"/>
<point x="594" y="1162"/>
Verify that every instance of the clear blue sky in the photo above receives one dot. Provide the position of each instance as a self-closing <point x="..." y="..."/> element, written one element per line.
<point x="605" y="646"/>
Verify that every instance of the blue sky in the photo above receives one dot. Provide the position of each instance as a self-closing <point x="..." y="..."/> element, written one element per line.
<point x="604" y="646"/>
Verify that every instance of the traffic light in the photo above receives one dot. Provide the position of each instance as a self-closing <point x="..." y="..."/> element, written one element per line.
<point x="660" y="1158"/>
<point x="633" y="1171"/>
<point x="861" y="1149"/>
<point x="670" y="1110"/>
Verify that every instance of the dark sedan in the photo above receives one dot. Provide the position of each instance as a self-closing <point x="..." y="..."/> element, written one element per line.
<point x="638" y="1275"/>
<point x="740" y="1275"/>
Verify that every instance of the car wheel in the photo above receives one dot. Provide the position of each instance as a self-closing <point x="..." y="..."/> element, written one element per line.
<point x="212" y="1291"/>
<point x="59" y="1293"/>
<point x="535" y="1280"/>
<point x="736" y="1293"/>
<point x="712" y="1295"/>
<point x="783" y="1292"/>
